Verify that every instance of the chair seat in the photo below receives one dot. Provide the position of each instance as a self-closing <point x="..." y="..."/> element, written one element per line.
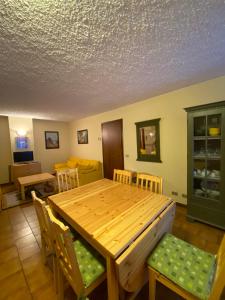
<point x="91" y="263"/>
<point x="189" y="267"/>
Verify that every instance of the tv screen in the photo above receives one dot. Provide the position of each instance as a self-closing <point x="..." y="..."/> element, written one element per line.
<point x="23" y="156"/>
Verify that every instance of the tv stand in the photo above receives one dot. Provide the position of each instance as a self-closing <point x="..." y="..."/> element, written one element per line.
<point x="24" y="169"/>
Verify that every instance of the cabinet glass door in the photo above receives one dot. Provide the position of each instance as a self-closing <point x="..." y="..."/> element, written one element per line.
<point x="207" y="156"/>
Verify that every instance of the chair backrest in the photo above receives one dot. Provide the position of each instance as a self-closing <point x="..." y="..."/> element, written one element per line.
<point x="65" y="253"/>
<point x="122" y="176"/>
<point x="149" y="182"/>
<point x="42" y="216"/>
<point x="219" y="281"/>
<point x="67" y="179"/>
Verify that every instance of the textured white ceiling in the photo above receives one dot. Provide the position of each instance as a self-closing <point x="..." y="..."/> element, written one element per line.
<point x="66" y="59"/>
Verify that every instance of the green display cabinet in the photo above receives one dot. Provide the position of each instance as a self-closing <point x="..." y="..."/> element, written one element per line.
<point x="206" y="163"/>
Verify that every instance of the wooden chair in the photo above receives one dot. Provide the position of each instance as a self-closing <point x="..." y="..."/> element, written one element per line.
<point x="47" y="248"/>
<point x="149" y="182"/>
<point x="196" y="280"/>
<point x="122" y="176"/>
<point x="81" y="265"/>
<point x="67" y="179"/>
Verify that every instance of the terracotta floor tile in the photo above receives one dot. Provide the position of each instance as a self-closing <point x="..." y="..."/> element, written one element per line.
<point x="4" y="225"/>
<point x="16" y="220"/>
<point x="6" y="235"/>
<point x="33" y="224"/>
<point x="28" y="211"/>
<point x="8" y="254"/>
<point x="25" y="241"/>
<point x="4" y="217"/>
<point x="31" y="263"/>
<point x="6" y="243"/>
<point x="38" y="278"/>
<point x="28" y="250"/>
<point x="32" y="218"/>
<point x="5" y="229"/>
<point x="37" y="274"/>
<point x="20" y="226"/>
<point x="36" y="230"/>
<point x="15" y="212"/>
<point x="15" y="287"/>
<point x="46" y="292"/>
<point x="10" y="267"/>
<point x="38" y="238"/>
<point x="21" y="233"/>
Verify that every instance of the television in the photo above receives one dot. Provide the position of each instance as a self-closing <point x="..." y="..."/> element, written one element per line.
<point x="23" y="156"/>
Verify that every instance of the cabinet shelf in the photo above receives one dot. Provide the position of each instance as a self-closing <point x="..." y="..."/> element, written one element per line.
<point x="207" y="177"/>
<point x="209" y="157"/>
<point x="208" y="137"/>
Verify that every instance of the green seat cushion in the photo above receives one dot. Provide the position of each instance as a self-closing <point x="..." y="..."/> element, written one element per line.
<point x="90" y="262"/>
<point x="189" y="267"/>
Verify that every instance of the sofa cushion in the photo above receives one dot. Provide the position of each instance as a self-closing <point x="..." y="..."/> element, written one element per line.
<point x="71" y="164"/>
<point x="88" y="165"/>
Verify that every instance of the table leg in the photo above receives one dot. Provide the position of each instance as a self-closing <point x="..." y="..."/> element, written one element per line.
<point x="22" y="188"/>
<point x="112" y="281"/>
<point x="55" y="187"/>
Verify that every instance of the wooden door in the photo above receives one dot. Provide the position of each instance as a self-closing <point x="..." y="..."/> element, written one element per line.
<point x="112" y="147"/>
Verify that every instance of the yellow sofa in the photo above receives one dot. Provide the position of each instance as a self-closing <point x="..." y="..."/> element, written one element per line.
<point x="88" y="170"/>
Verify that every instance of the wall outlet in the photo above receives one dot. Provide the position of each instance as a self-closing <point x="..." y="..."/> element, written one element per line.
<point x="127" y="155"/>
<point x="174" y="193"/>
<point x="184" y="196"/>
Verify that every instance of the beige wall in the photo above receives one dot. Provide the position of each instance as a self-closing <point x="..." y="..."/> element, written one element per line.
<point x="5" y="150"/>
<point x="173" y="132"/>
<point x="48" y="157"/>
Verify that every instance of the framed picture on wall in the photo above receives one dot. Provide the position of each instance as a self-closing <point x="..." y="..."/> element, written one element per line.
<point x="82" y="136"/>
<point x="148" y="140"/>
<point x="22" y="142"/>
<point x="51" y="139"/>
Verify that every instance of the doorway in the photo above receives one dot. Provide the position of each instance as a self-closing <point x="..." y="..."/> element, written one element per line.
<point x="112" y="147"/>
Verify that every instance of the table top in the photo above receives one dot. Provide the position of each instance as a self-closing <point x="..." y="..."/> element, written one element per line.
<point x="109" y="214"/>
<point x="31" y="179"/>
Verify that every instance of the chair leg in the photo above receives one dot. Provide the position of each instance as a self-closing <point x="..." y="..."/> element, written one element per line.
<point x="152" y="284"/>
<point x="60" y="284"/>
<point x="55" y="273"/>
<point x="122" y="295"/>
<point x="43" y="251"/>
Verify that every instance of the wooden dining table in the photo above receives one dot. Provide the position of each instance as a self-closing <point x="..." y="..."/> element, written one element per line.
<point x="122" y="222"/>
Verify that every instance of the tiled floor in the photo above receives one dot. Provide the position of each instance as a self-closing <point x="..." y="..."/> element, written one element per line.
<point x="23" y="276"/>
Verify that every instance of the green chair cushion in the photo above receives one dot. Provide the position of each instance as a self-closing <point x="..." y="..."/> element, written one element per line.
<point x="188" y="266"/>
<point x="90" y="262"/>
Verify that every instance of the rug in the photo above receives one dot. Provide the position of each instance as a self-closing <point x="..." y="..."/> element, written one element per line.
<point x="12" y="199"/>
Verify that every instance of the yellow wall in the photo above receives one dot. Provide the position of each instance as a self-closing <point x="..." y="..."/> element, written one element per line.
<point x="48" y="157"/>
<point x="173" y="132"/>
<point x="5" y="150"/>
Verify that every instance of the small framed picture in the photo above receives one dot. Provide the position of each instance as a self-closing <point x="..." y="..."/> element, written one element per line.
<point x="51" y="139"/>
<point x="22" y="142"/>
<point x="82" y="136"/>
